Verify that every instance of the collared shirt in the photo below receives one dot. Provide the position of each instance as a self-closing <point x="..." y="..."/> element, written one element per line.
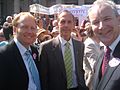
<point x="63" y="42"/>
<point x="114" y="44"/>
<point x="22" y="49"/>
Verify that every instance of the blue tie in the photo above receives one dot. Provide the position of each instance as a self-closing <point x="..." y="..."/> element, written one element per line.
<point x="33" y="69"/>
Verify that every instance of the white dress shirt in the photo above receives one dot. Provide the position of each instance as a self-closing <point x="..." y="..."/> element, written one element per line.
<point x="63" y="42"/>
<point x="22" y="49"/>
<point x="114" y="44"/>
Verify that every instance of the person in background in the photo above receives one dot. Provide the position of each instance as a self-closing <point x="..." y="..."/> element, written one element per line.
<point x="55" y="32"/>
<point x="105" y="22"/>
<point x="83" y="30"/>
<point x="55" y="23"/>
<point x="9" y="19"/>
<point x="42" y="35"/>
<point x="7" y="32"/>
<point x="76" y="33"/>
<point x="93" y="49"/>
<point x="39" y="22"/>
<point x="2" y="38"/>
<point x="15" y="67"/>
<point x="53" y="66"/>
<point x="47" y="22"/>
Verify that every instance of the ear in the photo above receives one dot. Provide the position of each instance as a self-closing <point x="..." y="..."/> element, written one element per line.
<point x="14" y="30"/>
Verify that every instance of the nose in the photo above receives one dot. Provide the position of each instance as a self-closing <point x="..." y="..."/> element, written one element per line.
<point x="66" y="24"/>
<point x="29" y="30"/>
<point x="100" y="25"/>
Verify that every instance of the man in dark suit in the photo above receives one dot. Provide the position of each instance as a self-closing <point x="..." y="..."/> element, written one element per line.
<point x="14" y="68"/>
<point x="105" y="22"/>
<point x="52" y="63"/>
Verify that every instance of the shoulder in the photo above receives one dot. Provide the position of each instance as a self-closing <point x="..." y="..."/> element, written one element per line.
<point x="5" y="48"/>
<point x="50" y="43"/>
<point x="76" y="42"/>
<point x="117" y="50"/>
<point x="89" y="41"/>
<point x="8" y="49"/>
<point x="47" y="42"/>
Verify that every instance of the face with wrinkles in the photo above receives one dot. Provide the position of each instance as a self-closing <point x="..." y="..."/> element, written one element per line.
<point x="105" y="23"/>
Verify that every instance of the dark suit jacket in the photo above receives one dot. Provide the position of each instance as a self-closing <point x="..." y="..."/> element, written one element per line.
<point x="52" y="69"/>
<point x="111" y="79"/>
<point x="13" y="73"/>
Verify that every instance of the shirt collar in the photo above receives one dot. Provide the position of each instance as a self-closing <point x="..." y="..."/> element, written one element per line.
<point x="63" y="41"/>
<point x="114" y="44"/>
<point x="21" y="48"/>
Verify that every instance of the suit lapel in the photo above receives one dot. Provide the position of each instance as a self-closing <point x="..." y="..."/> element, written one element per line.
<point x="34" y="53"/>
<point x="78" y="55"/>
<point x="110" y="70"/>
<point x="76" y="52"/>
<point x="19" y="60"/>
<point x="58" y="55"/>
<point x="116" y="52"/>
<point x="98" y="74"/>
<point x="107" y="76"/>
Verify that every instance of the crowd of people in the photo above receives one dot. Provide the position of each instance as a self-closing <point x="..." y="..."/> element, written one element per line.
<point x="39" y="54"/>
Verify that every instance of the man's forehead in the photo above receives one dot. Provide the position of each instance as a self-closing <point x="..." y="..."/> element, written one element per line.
<point x="63" y="14"/>
<point x="100" y="10"/>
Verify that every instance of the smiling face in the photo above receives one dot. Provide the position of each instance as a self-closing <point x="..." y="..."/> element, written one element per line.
<point x="105" y="23"/>
<point x="26" y="30"/>
<point x="66" y="24"/>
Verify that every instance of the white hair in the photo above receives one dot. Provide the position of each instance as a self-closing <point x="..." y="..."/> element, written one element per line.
<point x="109" y="3"/>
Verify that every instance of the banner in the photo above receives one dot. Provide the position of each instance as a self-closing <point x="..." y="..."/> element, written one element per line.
<point x="78" y="11"/>
<point x="37" y="8"/>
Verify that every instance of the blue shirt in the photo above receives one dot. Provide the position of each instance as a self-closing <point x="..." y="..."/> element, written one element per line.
<point x="22" y="49"/>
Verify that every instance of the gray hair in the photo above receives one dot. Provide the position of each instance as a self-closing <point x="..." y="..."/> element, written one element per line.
<point x="109" y="3"/>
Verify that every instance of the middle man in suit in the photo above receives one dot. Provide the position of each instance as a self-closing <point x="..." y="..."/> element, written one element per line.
<point x="52" y="58"/>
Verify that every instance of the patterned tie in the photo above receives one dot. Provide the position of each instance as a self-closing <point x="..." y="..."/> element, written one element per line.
<point x="33" y="69"/>
<point x="68" y="64"/>
<point x="106" y="60"/>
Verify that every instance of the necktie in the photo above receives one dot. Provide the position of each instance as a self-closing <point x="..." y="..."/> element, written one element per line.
<point x="106" y="60"/>
<point x="33" y="69"/>
<point x="68" y="64"/>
